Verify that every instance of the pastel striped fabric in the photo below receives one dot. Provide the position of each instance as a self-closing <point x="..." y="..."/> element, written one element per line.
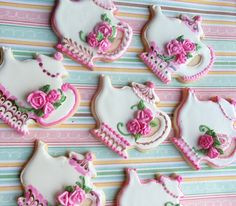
<point x="24" y="26"/>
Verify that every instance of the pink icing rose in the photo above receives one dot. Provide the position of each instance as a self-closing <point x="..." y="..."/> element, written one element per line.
<point x="104" y="45"/>
<point x="104" y="28"/>
<point x="133" y="126"/>
<point x="53" y="96"/>
<point x="89" y="156"/>
<point x="48" y="109"/>
<point x="37" y="99"/>
<point x="205" y="141"/>
<point x="63" y="198"/>
<point x="174" y="47"/>
<point x="92" y="40"/>
<point x="144" y="128"/>
<point x="188" y="45"/>
<point x="181" y="58"/>
<point x="77" y="197"/>
<point x="213" y="153"/>
<point x="144" y="115"/>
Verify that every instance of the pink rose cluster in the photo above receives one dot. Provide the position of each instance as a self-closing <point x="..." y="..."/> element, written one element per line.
<point x="206" y="142"/>
<point x="181" y="49"/>
<point x="102" y="42"/>
<point x="141" y="123"/>
<point x="72" y="198"/>
<point x="41" y="100"/>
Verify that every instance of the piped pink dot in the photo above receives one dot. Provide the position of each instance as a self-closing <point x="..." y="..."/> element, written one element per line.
<point x="150" y="85"/>
<point x="58" y="56"/>
<point x="179" y="178"/>
<point x="59" y="46"/>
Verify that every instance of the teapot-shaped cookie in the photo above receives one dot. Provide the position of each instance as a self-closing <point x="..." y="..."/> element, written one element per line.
<point x="34" y="90"/>
<point x="59" y="180"/>
<point x="174" y="47"/>
<point x="89" y="31"/>
<point x="128" y="117"/>
<point x="205" y="130"/>
<point x="162" y="191"/>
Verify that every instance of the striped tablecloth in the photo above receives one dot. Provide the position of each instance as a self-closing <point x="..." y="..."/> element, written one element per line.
<point x="24" y="26"/>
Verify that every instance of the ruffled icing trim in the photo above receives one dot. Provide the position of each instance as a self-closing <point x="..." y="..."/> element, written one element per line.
<point x="145" y="92"/>
<point x="105" y="4"/>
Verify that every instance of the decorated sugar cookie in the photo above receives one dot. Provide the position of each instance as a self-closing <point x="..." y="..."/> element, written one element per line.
<point x="59" y="181"/>
<point x="89" y="31"/>
<point x="205" y="130"/>
<point x="128" y="117"/>
<point x="174" y="47"/>
<point x="162" y="191"/>
<point x="34" y="90"/>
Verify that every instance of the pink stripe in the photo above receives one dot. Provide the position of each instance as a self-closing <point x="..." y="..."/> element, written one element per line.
<point x="172" y="95"/>
<point x="36" y="18"/>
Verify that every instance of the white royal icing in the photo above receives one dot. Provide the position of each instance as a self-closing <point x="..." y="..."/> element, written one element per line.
<point x="150" y="192"/>
<point x="161" y="30"/>
<point x="113" y="105"/>
<point x="50" y="175"/>
<point x="20" y="78"/>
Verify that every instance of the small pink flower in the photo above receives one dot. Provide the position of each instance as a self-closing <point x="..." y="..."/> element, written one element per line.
<point x="92" y="40"/>
<point x="104" y="45"/>
<point x="213" y="153"/>
<point x="104" y="28"/>
<point x="48" y="109"/>
<point x="144" y="115"/>
<point x="174" y="47"/>
<point x="63" y="198"/>
<point x="188" y="46"/>
<point x="37" y="99"/>
<point x="77" y="197"/>
<point x="144" y="128"/>
<point x="205" y="141"/>
<point x="133" y="126"/>
<point x="181" y="58"/>
<point x="53" y="96"/>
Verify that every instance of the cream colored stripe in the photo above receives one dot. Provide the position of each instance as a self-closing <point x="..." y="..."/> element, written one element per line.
<point x="119" y="184"/>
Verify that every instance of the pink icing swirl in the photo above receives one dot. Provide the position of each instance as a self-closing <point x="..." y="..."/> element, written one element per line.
<point x="133" y="126"/>
<point x="205" y="141"/>
<point x="104" y="28"/>
<point x="144" y="115"/>
<point x="53" y="96"/>
<point x="174" y="47"/>
<point x="37" y="99"/>
<point x="213" y="153"/>
<point x="92" y="40"/>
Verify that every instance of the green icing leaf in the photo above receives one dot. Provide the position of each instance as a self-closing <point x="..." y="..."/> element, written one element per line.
<point x="100" y="36"/>
<point x="220" y="151"/>
<point x="105" y="17"/>
<point x="87" y="189"/>
<point x="69" y="189"/>
<point x="189" y="55"/>
<point x="141" y="105"/>
<point x="56" y="105"/>
<point x="153" y="123"/>
<point x="198" y="47"/>
<point x="39" y="112"/>
<point x="180" y="38"/>
<point x="79" y="184"/>
<point x="137" y="136"/>
<point x="45" y="88"/>
<point x="82" y="36"/>
<point x="63" y="98"/>
<point x="216" y="142"/>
